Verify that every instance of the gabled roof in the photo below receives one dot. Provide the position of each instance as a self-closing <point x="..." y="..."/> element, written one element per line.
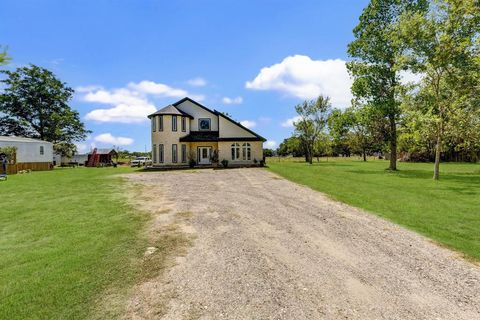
<point x="105" y="151"/>
<point x="170" y="110"/>
<point x="20" y="139"/>
<point x="217" y="113"/>
<point x="240" y="125"/>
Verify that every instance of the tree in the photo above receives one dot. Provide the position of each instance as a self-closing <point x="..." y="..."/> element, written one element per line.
<point x="268" y="152"/>
<point x="35" y="104"/>
<point x="443" y="46"/>
<point x="313" y="120"/>
<point x="4" y="58"/>
<point x="356" y="130"/>
<point x="291" y="146"/>
<point x="375" y="56"/>
<point x="65" y="149"/>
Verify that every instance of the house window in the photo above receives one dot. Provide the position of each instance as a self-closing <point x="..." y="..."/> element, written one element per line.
<point x="184" y="124"/>
<point x="174" y="123"/>
<point x="204" y="124"/>
<point x="160" y="123"/>
<point x="184" y="153"/>
<point x="174" y="153"/>
<point x="154" y="123"/>
<point x="160" y="153"/>
<point x="235" y="151"/>
<point x="42" y="150"/>
<point x="246" y="151"/>
<point x="154" y="153"/>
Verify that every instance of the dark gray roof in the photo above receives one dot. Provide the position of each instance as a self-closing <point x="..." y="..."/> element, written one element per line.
<point x="170" y="110"/>
<point x="215" y="112"/>
<point x="199" y="136"/>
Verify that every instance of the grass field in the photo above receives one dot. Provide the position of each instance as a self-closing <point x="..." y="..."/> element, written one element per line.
<point x="66" y="236"/>
<point x="447" y="211"/>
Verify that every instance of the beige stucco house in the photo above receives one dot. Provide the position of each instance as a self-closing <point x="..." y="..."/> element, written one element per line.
<point x="187" y="131"/>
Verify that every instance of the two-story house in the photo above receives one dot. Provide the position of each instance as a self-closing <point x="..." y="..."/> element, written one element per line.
<point x="187" y="131"/>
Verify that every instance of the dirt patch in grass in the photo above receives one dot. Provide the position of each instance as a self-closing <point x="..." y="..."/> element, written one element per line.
<point x="167" y="237"/>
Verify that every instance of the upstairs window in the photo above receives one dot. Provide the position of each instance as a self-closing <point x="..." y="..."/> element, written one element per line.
<point x="235" y="151"/>
<point x="184" y="124"/>
<point x="174" y="123"/>
<point x="160" y="123"/>
<point x="204" y="124"/>
<point x="154" y="123"/>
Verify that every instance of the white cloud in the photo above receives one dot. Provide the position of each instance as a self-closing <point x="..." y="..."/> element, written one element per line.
<point x="108" y="138"/>
<point x="304" y="78"/>
<point x="160" y="89"/>
<point x="289" y="122"/>
<point x="248" y="123"/>
<point x="236" y="100"/>
<point x="270" y="144"/>
<point x="127" y="106"/>
<point x="408" y="77"/>
<point x="130" y="104"/>
<point x="197" y="82"/>
<point x="82" y="147"/>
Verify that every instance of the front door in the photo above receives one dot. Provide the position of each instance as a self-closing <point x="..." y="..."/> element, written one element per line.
<point x="204" y="155"/>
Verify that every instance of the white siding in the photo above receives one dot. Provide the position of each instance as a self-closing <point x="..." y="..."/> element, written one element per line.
<point x="229" y="129"/>
<point x="198" y="113"/>
<point x="30" y="151"/>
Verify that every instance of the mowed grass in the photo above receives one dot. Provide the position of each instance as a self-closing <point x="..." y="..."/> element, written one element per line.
<point x="66" y="236"/>
<point x="447" y="211"/>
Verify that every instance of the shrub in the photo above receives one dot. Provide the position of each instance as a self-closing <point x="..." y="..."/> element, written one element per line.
<point x="225" y="163"/>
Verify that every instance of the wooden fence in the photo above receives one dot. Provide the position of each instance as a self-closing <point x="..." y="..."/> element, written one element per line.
<point x="34" y="166"/>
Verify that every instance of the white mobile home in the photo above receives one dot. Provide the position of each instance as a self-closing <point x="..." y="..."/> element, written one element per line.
<point x="31" y="154"/>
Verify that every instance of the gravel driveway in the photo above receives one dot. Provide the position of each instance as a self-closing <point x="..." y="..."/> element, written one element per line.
<point x="267" y="248"/>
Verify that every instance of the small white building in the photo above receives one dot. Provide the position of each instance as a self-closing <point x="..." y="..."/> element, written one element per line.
<point x="31" y="154"/>
<point x="77" y="158"/>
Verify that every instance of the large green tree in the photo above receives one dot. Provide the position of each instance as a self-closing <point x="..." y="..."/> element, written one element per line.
<point x="375" y="64"/>
<point x="291" y="146"/>
<point x="35" y="104"/>
<point x="313" y="120"/>
<point x="443" y="46"/>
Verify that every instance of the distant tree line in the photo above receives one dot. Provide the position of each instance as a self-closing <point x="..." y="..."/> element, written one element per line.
<point x="436" y="119"/>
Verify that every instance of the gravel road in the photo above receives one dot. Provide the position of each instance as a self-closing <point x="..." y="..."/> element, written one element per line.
<point x="267" y="248"/>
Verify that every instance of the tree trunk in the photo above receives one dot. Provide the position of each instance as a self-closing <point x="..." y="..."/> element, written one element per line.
<point x="364" y="155"/>
<point x="436" y="168"/>
<point x="393" y="143"/>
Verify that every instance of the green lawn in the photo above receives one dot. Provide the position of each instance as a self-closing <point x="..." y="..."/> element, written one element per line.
<point x="66" y="236"/>
<point x="447" y="211"/>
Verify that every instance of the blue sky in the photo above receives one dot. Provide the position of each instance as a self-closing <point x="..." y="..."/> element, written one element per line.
<point x="253" y="59"/>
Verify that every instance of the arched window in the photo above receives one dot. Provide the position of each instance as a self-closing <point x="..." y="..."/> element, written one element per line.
<point x="235" y="151"/>
<point x="246" y="151"/>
